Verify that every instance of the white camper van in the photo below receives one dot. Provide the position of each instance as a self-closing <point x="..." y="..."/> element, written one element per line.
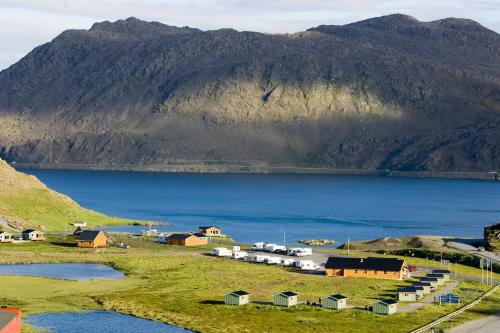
<point x="239" y="255"/>
<point x="259" y="246"/>
<point x="306" y="265"/>
<point x="273" y="261"/>
<point x="221" y="252"/>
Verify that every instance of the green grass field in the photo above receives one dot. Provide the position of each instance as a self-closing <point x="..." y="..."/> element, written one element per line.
<point x="183" y="286"/>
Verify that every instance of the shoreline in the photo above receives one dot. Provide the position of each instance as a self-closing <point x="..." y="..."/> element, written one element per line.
<point x="259" y="169"/>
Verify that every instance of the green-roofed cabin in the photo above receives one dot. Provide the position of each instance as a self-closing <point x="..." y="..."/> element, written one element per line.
<point x="238" y="297"/>
<point x="286" y="298"/>
<point x="385" y="307"/>
<point x="335" y="302"/>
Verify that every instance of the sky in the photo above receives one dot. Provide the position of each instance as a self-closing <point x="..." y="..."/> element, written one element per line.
<point x="29" y="23"/>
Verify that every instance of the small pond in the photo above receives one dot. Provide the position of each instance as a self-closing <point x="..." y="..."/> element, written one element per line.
<point x="98" y="322"/>
<point x="80" y="272"/>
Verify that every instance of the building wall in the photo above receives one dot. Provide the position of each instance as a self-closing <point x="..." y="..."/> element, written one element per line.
<point x="365" y="273"/>
<point x="333" y="304"/>
<point x="14" y="326"/>
<point x="385" y="309"/>
<point x="211" y="231"/>
<point x="100" y="241"/>
<point x="193" y="241"/>
<point x="284" y="301"/>
<point x="407" y="297"/>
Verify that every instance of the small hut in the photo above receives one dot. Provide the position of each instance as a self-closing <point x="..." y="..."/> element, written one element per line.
<point x="239" y="297"/>
<point x="385" y="307"/>
<point x="335" y="302"/>
<point x="92" y="239"/>
<point x="433" y="281"/>
<point x="286" y="298"/>
<point x="446" y="273"/>
<point x="32" y="235"/>
<point x="407" y="294"/>
<point x="426" y="286"/>
<point x="5" y="237"/>
<point x="439" y="277"/>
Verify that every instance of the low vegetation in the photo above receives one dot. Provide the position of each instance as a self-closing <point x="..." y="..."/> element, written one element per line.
<point x="185" y="287"/>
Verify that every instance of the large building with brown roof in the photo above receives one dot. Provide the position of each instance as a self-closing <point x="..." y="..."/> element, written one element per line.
<point x="187" y="239"/>
<point x="377" y="268"/>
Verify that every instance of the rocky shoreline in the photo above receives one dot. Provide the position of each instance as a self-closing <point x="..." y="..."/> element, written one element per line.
<point x="261" y="169"/>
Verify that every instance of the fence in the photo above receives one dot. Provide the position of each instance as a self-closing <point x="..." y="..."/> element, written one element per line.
<point x="456" y="312"/>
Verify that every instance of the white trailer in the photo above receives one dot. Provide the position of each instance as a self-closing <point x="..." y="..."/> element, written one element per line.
<point x="277" y="248"/>
<point x="221" y="252"/>
<point x="273" y="261"/>
<point x="269" y="247"/>
<point x="302" y="252"/>
<point x="306" y="265"/>
<point x="261" y="258"/>
<point x="236" y="248"/>
<point x="287" y="262"/>
<point x="259" y="246"/>
<point x="239" y="255"/>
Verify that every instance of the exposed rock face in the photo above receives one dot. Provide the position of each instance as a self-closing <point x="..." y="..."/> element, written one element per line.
<point x="386" y="93"/>
<point x="492" y="237"/>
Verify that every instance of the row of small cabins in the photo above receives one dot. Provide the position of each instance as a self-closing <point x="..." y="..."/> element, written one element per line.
<point x="290" y="298"/>
<point x="427" y="284"/>
<point x="27" y="235"/>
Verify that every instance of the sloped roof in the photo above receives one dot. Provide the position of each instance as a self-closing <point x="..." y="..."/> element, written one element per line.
<point x="207" y="227"/>
<point x="407" y="290"/>
<point x="5" y="318"/>
<point x="239" y="293"/>
<point x="337" y="296"/>
<point x="288" y="294"/>
<point x="28" y="231"/>
<point x="388" y="301"/>
<point x="181" y="236"/>
<point x="436" y="275"/>
<point x="421" y="284"/>
<point x="429" y="278"/>
<point x="89" y="235"/>
<point x="370" y="263"/>
<point x="5" y="232"/>
<point x="440" y="271"/>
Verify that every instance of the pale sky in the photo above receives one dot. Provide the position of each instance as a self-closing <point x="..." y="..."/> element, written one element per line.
<point x="29" y="23"/>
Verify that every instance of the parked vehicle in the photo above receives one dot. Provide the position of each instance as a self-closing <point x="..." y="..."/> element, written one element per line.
<point x="221" y="252"/>
<point x="270" y="247"/>
<point x="300" y="251"/>
<point x="279" y="249"/>
<point x="123" y="246"/>
<point x="273" y="261"/>
<point x="411" y="268"/>
<point x="287" y="262"/>
<point x="236" y="248"/>
<point x="306" y="265"/>
<point x="239" y="255"/>
<point x="261" y="258"/>
<point x="259" y="246"/>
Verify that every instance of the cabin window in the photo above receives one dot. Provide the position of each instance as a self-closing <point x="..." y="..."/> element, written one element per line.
<point x="385" y="272"/>
<point x="376" y="272"/>
<point x="366" y="272"/>
<point x="355" y="271"/>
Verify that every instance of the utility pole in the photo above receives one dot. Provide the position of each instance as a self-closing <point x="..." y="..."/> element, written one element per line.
<point x="481" y="264"/>
<point x="348" y="245"/>
<point x="284" y="237"/>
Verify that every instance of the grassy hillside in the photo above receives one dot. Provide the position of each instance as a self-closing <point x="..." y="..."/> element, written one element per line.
<point x="27" y="202"/>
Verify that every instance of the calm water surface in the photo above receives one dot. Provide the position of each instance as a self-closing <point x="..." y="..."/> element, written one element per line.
<point x="98" y="322"/>
<point x="80" y="272"/>
<point x="259" y="207"/>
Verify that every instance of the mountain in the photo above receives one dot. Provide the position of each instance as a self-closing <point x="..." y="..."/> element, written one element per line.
<point x="385" y="93"/>
<point x="25" y="202"/>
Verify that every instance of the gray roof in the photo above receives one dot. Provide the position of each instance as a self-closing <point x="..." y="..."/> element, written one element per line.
<point x="388" y="301"/>
<point x="370" y="263"/>
<point x="440" y="271"/>
<point x="407" y="290"/>
<point x="239" y="293"/>
<point x="422" y="284"/>
<point x="89" y="235"/>
<point x="288" y="294"/>
<point x="337" y="296"/>
<point x="5" y="318"/>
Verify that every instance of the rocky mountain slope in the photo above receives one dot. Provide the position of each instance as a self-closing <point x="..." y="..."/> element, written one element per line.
<point x="25" y="202"/>
<point x="384" y="93"/>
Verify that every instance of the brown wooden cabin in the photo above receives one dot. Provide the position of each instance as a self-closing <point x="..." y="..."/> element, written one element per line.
<point x="210" y="230"/>
<point x="187" y="239"/>
<point x="92" y="239"/>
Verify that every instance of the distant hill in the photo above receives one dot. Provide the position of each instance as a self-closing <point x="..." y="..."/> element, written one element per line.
<point x="25" y="202"/>
<point x="385" y="93"/>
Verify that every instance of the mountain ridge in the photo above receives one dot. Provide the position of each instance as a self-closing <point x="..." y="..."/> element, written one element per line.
<point x="384" y="93"/>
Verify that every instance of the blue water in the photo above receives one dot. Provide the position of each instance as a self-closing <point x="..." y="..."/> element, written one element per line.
<point x="258" y="207"/>
<point x="98" y="322"/>
<point x="80" y="272"/>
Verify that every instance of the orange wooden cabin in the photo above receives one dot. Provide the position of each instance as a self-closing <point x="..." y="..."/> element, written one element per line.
<point x="187" y="239"/>
<point x="210" y="230"/>
<point x="92" y="239"/>
<point x="10" y="320"/>
<point x="375" y="268"/>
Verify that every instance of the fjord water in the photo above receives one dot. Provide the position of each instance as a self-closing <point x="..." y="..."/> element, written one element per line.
<point x="253" y="207"/>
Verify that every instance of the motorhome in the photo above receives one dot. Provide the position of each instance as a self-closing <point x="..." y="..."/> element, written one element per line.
<point x="221" y="252"/>
<point x="239" y="255"/>
<point x="287" y="262"/>
<point x="259" y="246"/>
<point x="269" y="247"/>
<point x="273" y="261"/>
<point x="306" y="265"/>
<point x="302" y="252"/>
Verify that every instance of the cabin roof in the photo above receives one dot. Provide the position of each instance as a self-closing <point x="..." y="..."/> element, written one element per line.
<point x="6" y="317"/>
<point x="208" y="227"/>
<point x="388" y="301"/>
<point x="5" y="232"/>
<point x="436" y="275"/>
<point x="429" y="278"/>
<point x="239" y="293"/>
<point x="288" y="294"/>
<point x="337" y="296"/>
<point x="89" y="235"/>
<point x="407" y="290"/>
<point x="440" y="271"/>
<point x="370" y="263"/>
<point x="421" y="284"/>
<point x="28" y="231"/>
